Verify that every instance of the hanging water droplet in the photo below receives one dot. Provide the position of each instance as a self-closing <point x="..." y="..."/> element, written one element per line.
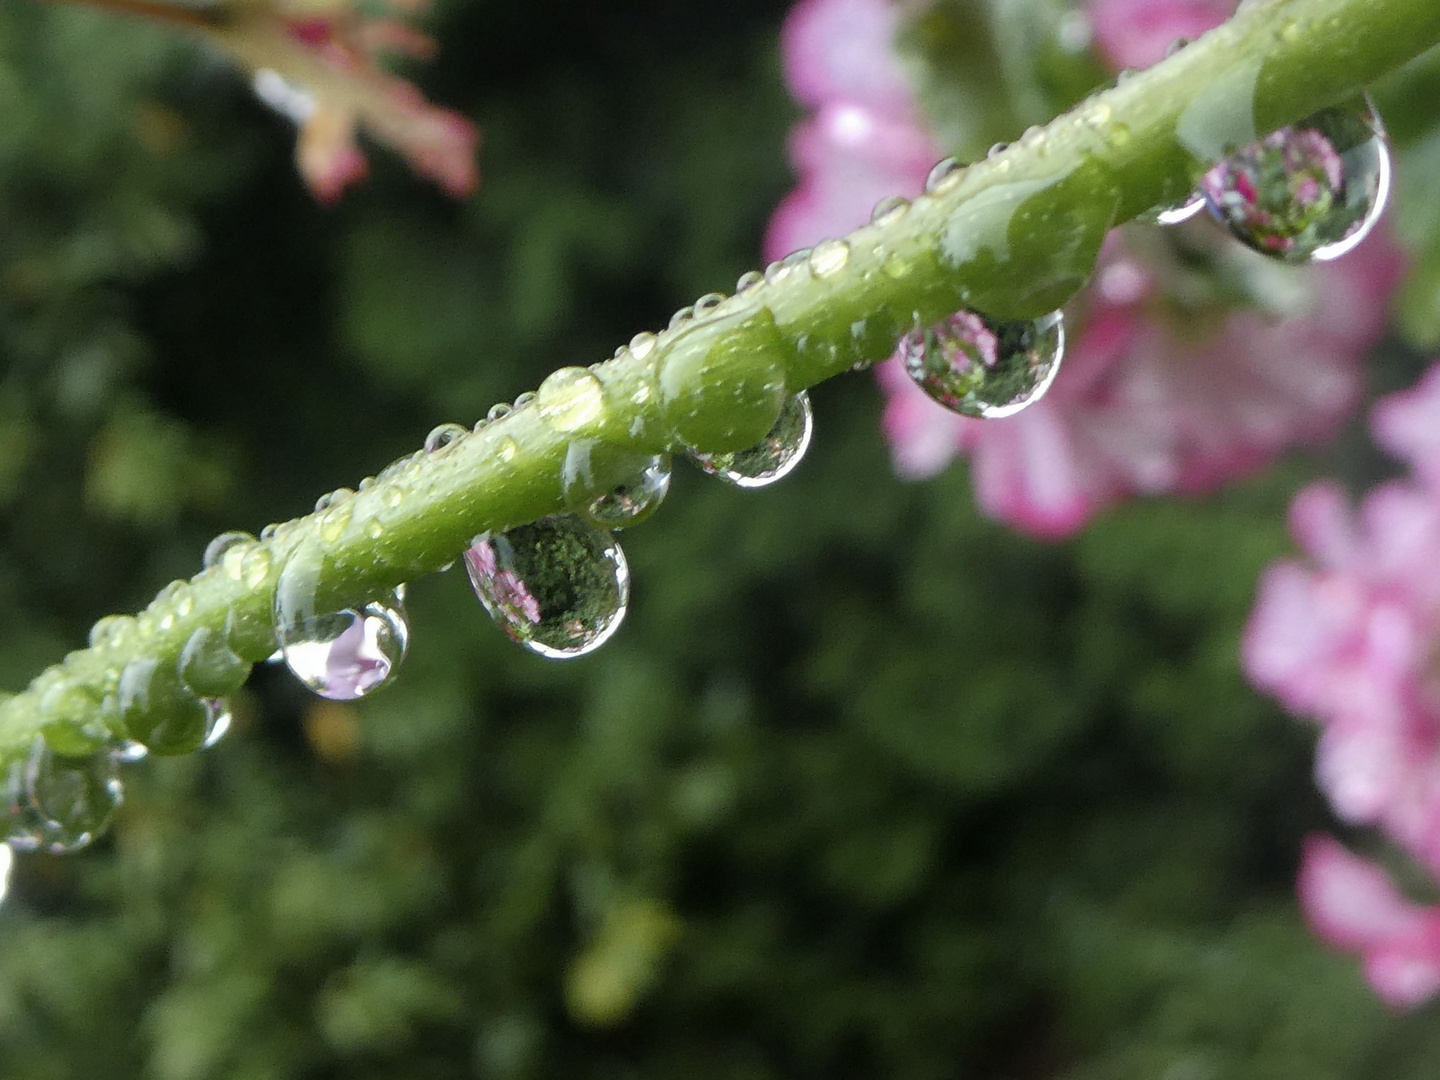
<point x="571" y="399"/>
<point x="558" y="586"/>
<point x="161" y="712"/>
<point x="209" y="667"/>
<point x="944" y="176"/>
<point x="611" y="486"/>
<point x="888" y="211"/>
<point x="57" y="803"/>
<point x="829" y="257"/>
<point x="773" y="457"/>
<point x="341" y="655"/>
<point x="979" y="366"/>
<point x="217" y="548"/>
<point x="442" y="436"/>
<point x="1309" y="192"/>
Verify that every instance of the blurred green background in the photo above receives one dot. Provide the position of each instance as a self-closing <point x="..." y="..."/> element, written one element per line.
<point x="865" y="787"/>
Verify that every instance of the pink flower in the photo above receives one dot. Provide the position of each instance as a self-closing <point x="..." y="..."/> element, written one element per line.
<point x="317" y="64"/>
<point x="1137" y="33"/>
<point x="864" y="143"/>
<point x="1352" y="905"/>
<point x="1155" y="396"/>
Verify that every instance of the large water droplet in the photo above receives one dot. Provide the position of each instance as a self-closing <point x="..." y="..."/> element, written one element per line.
<point x="209" y="667"/>
<point x="571" y="399"/>
<point x="56" y="803"/>
<point x="1309" y="192"/>
<point x="344" y="654"/>
<point x="775" y="456"/>
<point x="73" y="717"/>
<point x="558" y="586"/>
<point x="979" y="366"/>
<point x="164" y="714"/>
<point x="611" y="486"/>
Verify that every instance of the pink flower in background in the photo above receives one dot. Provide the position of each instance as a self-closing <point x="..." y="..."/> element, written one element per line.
<point x="1155" y="395"/>
<point x="1350" y="639"/>
<point x="1137" y="33"/>
<point x="865" y="141"/>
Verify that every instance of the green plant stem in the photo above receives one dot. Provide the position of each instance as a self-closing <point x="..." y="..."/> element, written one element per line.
<point x="1015" y="235"/>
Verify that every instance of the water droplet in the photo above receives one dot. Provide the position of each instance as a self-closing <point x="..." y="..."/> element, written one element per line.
<point x="209" y="667"/>
<point x="571" y="399"/>
<point x="944" y="176"/>
<point x="255" y="567"/>
<point x="506" y="449"/>
<point x="611" y="486"/>
<point x="776" y="271"/>
<point x="1310" y="192"/>
<point x="57" y="803"/>
<point x="998" y="149"/>
<point x="374" y="529"/>
<point x="442" y="436"/>
<point x="684" y="315"/>
<point x="217" y="548"/>
<point x="708" y="303"/>
<point x="558" y="586"/>
<point x="1175" y="46"/>
<point x="72" y="717"/>
<point x="888" y="211"/>
<point x="829" y="257"/>
<point x="344" y="654"/>
<point x="113" y="631"/>
<point x="749" y="280"/>
<point x="723" y="380"/>
<point x="979" y="366"/>
<point x="525" y="400"/>
<point x="333" y="498"/>
<point x="498" y="411"/>
<point x="160" y="711"/>
<point x="642" y="345"/>
<point x="775" y="456"/>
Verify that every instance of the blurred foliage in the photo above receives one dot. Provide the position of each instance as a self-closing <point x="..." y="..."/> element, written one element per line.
<point x="866" y="786"/>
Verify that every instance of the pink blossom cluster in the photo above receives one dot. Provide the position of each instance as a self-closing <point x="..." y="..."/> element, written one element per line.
<point x="1154" y="395"/>
<point x="1350" y="639"/>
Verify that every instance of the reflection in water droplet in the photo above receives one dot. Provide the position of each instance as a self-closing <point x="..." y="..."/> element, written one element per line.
<point x="558" y="586"/>
<point x="442" y="436"/>
<point x="570" y="399"/>
<point x="773" y="457"/>
<point x="1309" y="192"/>
<point x="347" y="654"/>
<point x="161" y="712"/>
<point x="217" y="548"/>
<point x="613" y="487"/>
<point x="56" y="803"/>
<point x="984" y="367"/>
